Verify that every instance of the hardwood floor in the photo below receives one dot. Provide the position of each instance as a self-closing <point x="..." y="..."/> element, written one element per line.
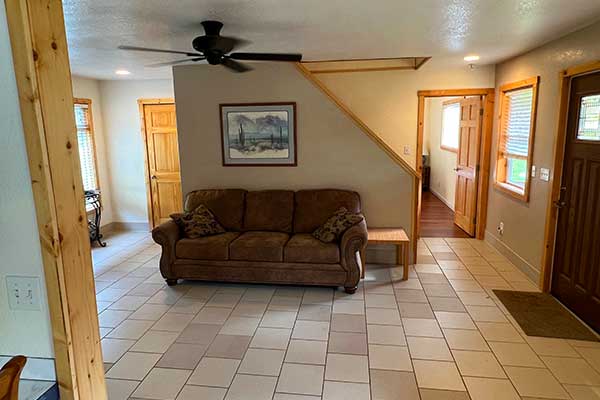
<point x="437" y="220"/>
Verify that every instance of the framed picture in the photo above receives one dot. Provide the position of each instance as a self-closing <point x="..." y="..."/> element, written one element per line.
<point x="259" y="134"/>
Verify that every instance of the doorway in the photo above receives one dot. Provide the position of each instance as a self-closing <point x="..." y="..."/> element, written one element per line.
<point x="576" y="260"/>
<point x="163" y="180"/>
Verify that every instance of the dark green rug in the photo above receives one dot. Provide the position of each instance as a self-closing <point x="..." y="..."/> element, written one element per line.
<point x="540" y="314"/>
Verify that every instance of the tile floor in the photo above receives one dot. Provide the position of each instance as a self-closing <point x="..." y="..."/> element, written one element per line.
<point x="440" y="335"/>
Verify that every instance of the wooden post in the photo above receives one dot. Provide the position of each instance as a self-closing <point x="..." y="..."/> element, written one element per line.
<point x="43" y="77"/>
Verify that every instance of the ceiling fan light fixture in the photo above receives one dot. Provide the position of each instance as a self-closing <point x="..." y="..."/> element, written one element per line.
<point x="122" y="72"/>
<point x="471" y="58"/>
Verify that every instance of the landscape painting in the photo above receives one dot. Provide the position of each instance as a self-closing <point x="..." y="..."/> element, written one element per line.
<point x="259" y="134"/>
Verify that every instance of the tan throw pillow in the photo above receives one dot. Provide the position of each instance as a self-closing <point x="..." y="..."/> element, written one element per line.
<point x="198" y="223"/>
<point x="336" y="225"/>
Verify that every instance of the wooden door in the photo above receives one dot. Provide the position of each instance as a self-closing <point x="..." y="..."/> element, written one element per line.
<point x="576" y="267"/>
<point x="163" y="162"/>
<point x="467" y="163"/>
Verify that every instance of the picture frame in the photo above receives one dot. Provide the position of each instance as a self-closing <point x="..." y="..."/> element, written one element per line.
<point x="259" y="134"/>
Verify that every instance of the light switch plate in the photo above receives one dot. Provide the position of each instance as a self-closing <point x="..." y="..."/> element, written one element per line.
<point x="23" y="292"/>
<point x="533" y="171"/>
<point x="545" y="174"/>
<point x="406" y="150"/>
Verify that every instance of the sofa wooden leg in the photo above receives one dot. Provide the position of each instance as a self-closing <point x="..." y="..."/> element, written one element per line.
<point x="351" y="290"/>
<point x="171" y="282"/>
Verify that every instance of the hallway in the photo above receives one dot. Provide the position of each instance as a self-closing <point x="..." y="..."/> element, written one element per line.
<point x="437" y="220"/>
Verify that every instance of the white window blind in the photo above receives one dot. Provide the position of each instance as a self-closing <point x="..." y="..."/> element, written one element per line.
<point x="451" y="126"/>
<point x="517" y="123"/>
<point x="85" y="142"/>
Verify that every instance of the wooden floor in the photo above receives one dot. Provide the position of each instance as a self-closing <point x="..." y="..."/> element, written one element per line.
<point x="437" y="220"/>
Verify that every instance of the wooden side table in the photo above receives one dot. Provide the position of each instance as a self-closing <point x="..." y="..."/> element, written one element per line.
<point x="395" y="236"/>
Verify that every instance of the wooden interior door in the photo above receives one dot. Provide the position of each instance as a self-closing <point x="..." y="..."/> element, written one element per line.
<point x="163" y="162"/>
<point x="576" y="266"/>
<point x="467" y="163"/>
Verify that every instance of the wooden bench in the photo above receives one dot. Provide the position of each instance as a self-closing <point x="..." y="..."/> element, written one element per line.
<point x="395" y="236"/>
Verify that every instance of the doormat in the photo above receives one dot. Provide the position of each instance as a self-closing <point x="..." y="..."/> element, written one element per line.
<point x="540" y="314"/>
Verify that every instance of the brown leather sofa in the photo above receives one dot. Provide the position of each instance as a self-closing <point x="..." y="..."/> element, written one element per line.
<point x="268" y="239"/>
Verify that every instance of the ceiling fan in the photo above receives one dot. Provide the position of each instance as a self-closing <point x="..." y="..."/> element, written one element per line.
<point x="216" y="49"/>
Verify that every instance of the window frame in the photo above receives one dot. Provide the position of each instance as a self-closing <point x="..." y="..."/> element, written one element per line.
<point x="88" y="102"/>
<point x="444" y="105"/>
<point x="500" y="170"/>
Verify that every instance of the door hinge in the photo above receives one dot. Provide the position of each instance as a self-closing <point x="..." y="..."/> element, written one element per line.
<point x="481" y="112"/>
<point x="477" y="168"/>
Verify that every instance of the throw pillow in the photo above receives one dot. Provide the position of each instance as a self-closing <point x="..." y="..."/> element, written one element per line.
<point x="198" y="223"/>
<point x="336" y="225"/>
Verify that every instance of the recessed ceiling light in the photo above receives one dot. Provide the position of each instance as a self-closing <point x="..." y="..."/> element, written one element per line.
<point x="122" y="72"/>
<point x="471" y="57"/>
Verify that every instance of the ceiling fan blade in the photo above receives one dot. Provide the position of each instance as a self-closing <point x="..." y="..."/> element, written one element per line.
<point x="267" y="56"/>
<point x="136" y="48"/>
<point x="234" y="65"/>
<point x="169" y="63"/>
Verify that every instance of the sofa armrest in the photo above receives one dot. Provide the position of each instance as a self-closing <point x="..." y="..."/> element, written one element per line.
<point x="167" y="234"/>
<point x="352" y="247"/>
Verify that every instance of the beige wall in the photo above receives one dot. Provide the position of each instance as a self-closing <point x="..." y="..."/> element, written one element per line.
<point x="442" y="162"/>
<point x="332" y="151"/>
<point x="524" y="222"/>
<point x="387" y="101"/>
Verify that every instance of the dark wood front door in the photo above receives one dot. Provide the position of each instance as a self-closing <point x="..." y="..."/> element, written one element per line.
<point x="576" y="271"/>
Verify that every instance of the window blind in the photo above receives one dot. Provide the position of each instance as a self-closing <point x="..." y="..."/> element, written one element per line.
<point x="517" y="123"/>
<point x="85" y="142"/>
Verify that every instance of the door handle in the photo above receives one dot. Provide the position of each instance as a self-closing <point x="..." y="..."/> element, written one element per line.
<point x="457" y="169"/>
<point x="560" y="203"/>
<point x="153" y="177"/>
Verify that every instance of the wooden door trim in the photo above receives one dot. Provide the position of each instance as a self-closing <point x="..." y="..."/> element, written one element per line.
<point x="43" y="78"/>
<point x="484" y="153"/>
<point x="141" y="104"/>
<point x="565" y="78"/>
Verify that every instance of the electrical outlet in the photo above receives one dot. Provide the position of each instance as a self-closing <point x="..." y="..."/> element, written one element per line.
<point x="501" y="228"/>
<point x="23" y="292"/>
<point x="545" y="174"/>
<point x="533" y="171"/>
<point x="406" y="150"/>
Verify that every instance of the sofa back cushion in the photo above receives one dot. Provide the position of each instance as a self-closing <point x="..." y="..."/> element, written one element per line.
<point x="227" y="205"/>
<point x="269" y="210"/>
<point x="313" y="207"/>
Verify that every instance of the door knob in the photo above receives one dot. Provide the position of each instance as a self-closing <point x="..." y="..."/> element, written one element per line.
<point x="560" y="204"/>
<point x="457" y="169"/>
<point x="153" y="177"/>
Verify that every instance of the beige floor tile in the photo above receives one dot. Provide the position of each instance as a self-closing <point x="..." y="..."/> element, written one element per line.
<point x="381" y="301"/>
<point x="240" y="326"/>
<point x="552" y="347"/>
<point x="271" y="338"/>
<point x="212" y="315"/>
<point x="421" y="327"/>
<point x="438" y="375"/>
<point x="306" y="352"/>
<point x="347" y="368"/>
<point x="386" y="334"/>
<point x="478" y="363"/>
<point x="173" y="322"/>
<point x="384" y="316"/>
<point x="348" y="323"/>
<point x="249" y="309"/>
<point x="475" y="299"/>
<point x="190" y="392"/>
<point x="461" y="339"/>
<point x="281" y="303"/>
<point x="287" y="396"/>
<point x="229" y="346"/>
<point x="223" y="300"/>
<point x="119" y="389"/>
<point x="411" y="296"/>
<point x="486" y="389"/>
<point x="301" y="379"/>
<point x="438" y="290"/>
<point x="457" y="274"/>
<point x="129" y="303"/>
<point x="130" y="329"/>
<point x="395" y="358"/>
<point x="415" y="310"/>
<point x="348" y="343"/>
<point x="112" y="318"/>
<point x="486" y="314"/>
<point x="536" y="382"/>
<point x="187" y="306"/>
<point x="454" y="320"/>
<point x="155" y="342"/>
<point x="516" y="354"/>
<point x="408" y="284"/>
<point x="575" y="371"/>
<point x="182" y="356"/>
<point x="150" y="312"/>
<point x="162" y="384"/>
<point x="133" y="366"/>
<point x="250" y="387"/>
<point x="214" y="372"/>
<point x="591" y="354"/>
<point x="311" y="330"/>
<point x="425" y="348"/>
<point x="278" y="319"/>
<point x="349" y="307"/>
<point x="318" y="296"/>
<point x="446" y="304"/>
<point x="500" y="332"/>
<point x="262" y="362"/>
<point x="583" y="392"/>
<point x="346" y="390"/>
<point x="314" y="312"/>
<point x="392" y="385"/>
<point x="113" y="349"/>
<point x="433" y="394"/>
<point x="199" y="334"/>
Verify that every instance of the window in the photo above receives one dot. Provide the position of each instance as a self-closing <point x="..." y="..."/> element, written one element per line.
<point x="515" y="140"/>
<point x="450" y="125"/>
<point x="589" y="118"/>
<point x="85" y="141"/>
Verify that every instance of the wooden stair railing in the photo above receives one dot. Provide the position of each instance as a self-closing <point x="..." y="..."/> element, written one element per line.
<point x="9" y="378"/>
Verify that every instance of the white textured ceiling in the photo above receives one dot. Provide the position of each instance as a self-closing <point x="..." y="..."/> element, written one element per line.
<point x="320" y="29"/>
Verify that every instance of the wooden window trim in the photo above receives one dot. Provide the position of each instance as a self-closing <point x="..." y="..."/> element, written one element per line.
<point x="88" y="102"/>
<point x="521" y="194"/>
<point x="444" y="105"/>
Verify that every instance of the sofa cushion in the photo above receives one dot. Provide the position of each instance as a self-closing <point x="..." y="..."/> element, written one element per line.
<point x="206" y="248"/>
<point x="198" y="223"/>
<point x="226" y="204"/>
<point x="269" y="210"/>
<point x="312" y="208"/>
<point x="258" y="246"/>
<point x="304" y="248"/>
<point x="336" y="225"/>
